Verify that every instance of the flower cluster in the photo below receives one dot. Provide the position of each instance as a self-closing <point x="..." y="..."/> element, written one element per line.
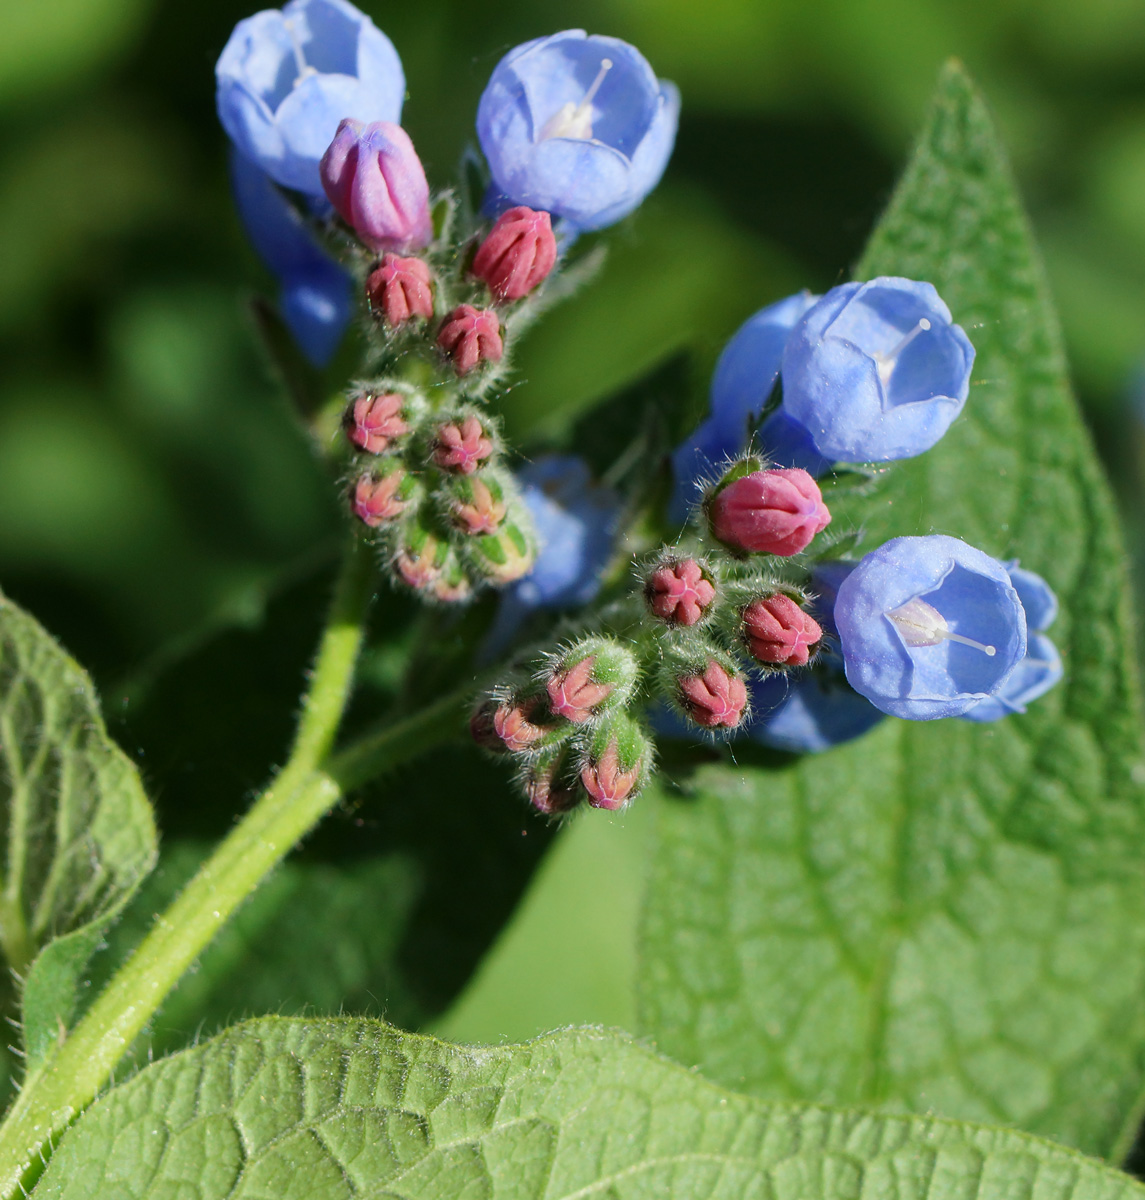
<point x="575" y="129"/>
<point x="744" y="627"/>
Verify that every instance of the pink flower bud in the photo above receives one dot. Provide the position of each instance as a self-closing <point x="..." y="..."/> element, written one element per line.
<point x="573" y="694"/>
<point x="471" y="336"/>
<point x="376" y="499"/>
<point x="420" y="567"/>
<point x="514" y="725"/>
<point x="372" y="422"/>
<point x="678" y="593"/>
<point x="518" y="253"/>
<point x="547" y="791"/>
<point x="400" y="289"/>
<point x="461" y="449"/>
<point x="607" y="785"/>
<point x="779" y="632"/>
<point x="453" y="588"/>
<point x="482" y="513"/>
<point x="771" y="512"/>
<point x="714" y="699"/>
<point x="375" y="180"/>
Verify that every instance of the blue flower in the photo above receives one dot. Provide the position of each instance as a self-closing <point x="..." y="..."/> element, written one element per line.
<point x="576" y="522"/>
<point x="316" y="301"/>
<point x="929" y="626"/>
<point x="809" y="711"/>
<point x="742" y="382"/>
<point x="285" y="79"/>
<point x="577" y="126"/>
<point x="1041" y="669"/>
<point x="876" y="371"/>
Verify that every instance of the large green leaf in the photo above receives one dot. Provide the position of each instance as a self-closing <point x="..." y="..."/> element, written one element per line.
<point x="944" y="916"/>
<point x="334" y="1109"/>
<point x="78" y="834"/>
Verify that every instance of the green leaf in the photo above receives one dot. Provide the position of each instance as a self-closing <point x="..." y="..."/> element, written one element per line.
<point x="78" y="831"/>
<point x="943" y="916"/>
<point x="340" y="1108"/>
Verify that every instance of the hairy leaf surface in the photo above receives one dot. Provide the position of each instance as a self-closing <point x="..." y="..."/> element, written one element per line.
<point x="78" y="834"/>
<point x="335" y="1109"/>
<point x="943" y="916"/>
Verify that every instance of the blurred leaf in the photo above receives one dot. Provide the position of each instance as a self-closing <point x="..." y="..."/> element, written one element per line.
<point x="568" y="955"/>
<point x="942" y="916"/>
<point x="335" y="1109"/>
<point x="676" y="277"/>
<point x="67" y="194"/>
<point x="79" y="835"/>
<point x="48" y="45"/>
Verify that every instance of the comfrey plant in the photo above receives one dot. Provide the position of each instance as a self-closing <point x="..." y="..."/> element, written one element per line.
<point x="927" y="903"/>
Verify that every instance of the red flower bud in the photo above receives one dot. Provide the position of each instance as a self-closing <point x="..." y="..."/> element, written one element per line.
<point x="481" y="514"/>
<point x="773" y="512"/>
<point x="375" y="499"/>
<point x="518" y="253"/>
<point x="572" y="693"/>
<point x="372" y="422"/>
<point x="678" y="592"/>
<point x="471" y="336"/>
<point x="779" y="632"/>
<point x="607" y="785"/>
<point x="513" y="724"/>
<point x="714" y="699"/>
<point x="462" y="448"/>
<point x="400" y="289"/>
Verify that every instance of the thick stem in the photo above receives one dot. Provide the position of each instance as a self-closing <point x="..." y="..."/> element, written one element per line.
<point x="56" y="1091"/>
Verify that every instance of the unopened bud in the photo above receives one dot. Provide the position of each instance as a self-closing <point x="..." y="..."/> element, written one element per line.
<point x="517" y="727"/>
<point x="617" y="763"/>
<point x="421" y="559"/>
<point x="400" y="289"/>
<point x="471" y="336"/>
<point x="678" y="592"/>
<point x="714" y="698"/>
<point x="778" y="632"/>
<point x="452" y="586"/>
<point x="548" y="786"/>
<point x="377" y="499"/>
<point x="479" y="505"/>
<point x="461" y="447"/>
<point x="505" y="555"/>
<point x="375" y="180"/>
<point x="596" y="675"/>
<point x="372" y="422"/>
<point x="769" y="512"/>
<point x="518" y="253"/>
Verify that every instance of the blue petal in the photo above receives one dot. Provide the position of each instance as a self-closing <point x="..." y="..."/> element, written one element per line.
<point x="831" y="384"/>
<point x="1037" y="597"/>
<point x="808" y="713"/>
<point x="974" y="594"/>
<point x="1039" y="671"/>
<point x="317" y="308"/>
<point x="749" y="366"/>
<point x="316" y="299"/>
<point x="576" y="522"/>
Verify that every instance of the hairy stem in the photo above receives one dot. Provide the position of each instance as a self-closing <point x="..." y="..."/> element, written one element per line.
<point x="306" y="788"/>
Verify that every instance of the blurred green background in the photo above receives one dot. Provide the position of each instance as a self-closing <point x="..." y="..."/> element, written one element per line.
<point x="155" y="490"/>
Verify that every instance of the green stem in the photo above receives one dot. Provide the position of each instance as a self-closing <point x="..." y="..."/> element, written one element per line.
<point x="303" y="792"/>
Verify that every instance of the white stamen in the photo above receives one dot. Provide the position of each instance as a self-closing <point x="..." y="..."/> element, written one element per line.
<point x="575" y="120"/>
<point x="921" y="624"/>
<point x="300" y="63"/>
<point x="885" y="362"/>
